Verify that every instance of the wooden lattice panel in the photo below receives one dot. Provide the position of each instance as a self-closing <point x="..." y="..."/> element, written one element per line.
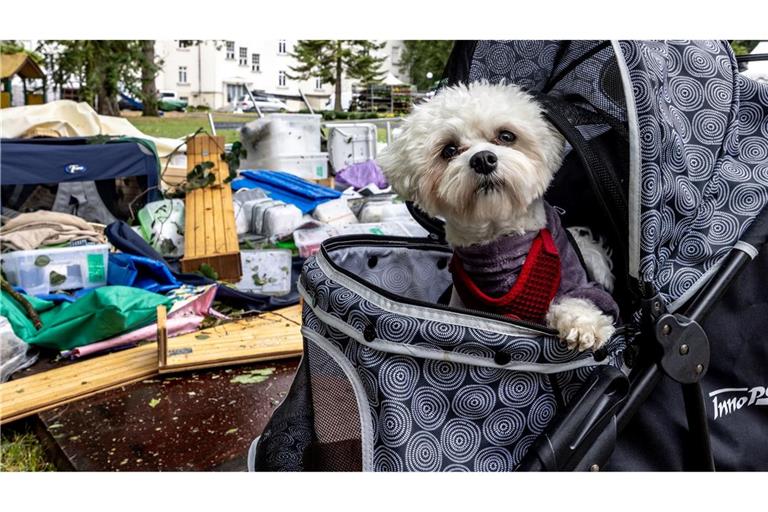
<point x="210" y="235"/>
<point x="269" y="336"/>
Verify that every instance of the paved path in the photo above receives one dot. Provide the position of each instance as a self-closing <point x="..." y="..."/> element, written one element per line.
<point x="203" y="420"/>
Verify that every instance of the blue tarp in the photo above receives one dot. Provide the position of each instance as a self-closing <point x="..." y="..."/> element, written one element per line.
<point x="140" y="272"/>
<point x="41" y="161"/>
<point x="58" y="297"/>
<point x="125" y="239"/>
<point x="287" y="188"/>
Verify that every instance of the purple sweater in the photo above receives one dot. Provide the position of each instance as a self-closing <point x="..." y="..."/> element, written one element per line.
<point x="494" y="266"/>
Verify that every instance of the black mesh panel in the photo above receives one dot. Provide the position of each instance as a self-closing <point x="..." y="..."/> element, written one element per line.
<point x="285" y="441"/>
<point x="336" y="420"/>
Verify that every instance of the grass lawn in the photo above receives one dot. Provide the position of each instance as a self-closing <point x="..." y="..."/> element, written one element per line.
<point x="177" y="125"/>
<point x="21" y="451"/>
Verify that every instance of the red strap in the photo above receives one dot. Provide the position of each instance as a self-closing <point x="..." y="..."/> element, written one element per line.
<point x="533" y="290"/>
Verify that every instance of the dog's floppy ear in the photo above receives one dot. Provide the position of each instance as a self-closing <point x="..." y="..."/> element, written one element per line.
<point x="553" y="148"/>
<point x="399" y="168"/>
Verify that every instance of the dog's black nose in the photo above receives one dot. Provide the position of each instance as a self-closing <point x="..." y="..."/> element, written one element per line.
<point x="483" y="162"/>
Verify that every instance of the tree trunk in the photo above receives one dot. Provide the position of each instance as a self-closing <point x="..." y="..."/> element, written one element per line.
<point x="337" y="99"/>
<point x="148" y="88"/>
<point x="107" y="103"/>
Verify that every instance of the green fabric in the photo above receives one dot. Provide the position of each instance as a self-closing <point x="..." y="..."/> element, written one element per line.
<point x="101" y="314"/>
<point x="17" y="316"/>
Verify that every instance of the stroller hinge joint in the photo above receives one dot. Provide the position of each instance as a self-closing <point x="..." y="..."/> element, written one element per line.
<point x="684" y="348"/>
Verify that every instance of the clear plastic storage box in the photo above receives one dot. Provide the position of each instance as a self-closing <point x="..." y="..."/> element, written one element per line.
<point x="308" y="240"/>
<point x="404" y="228"/>
<point x="295" y="134"/>
<point x="267" y="272"/>
<point x="44" y="271"/>
<point x="308" y="166"/>
<point x="351" y="144"/>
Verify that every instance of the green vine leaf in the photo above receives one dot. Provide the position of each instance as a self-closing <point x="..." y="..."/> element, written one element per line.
<point x="56" y="279"/>
<point x="209" y="272"/>
<point x="42" y="260"/>
<point x="232" y="158"/>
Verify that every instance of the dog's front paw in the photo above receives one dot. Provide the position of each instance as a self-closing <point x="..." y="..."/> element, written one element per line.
<point x="580" y="323"/>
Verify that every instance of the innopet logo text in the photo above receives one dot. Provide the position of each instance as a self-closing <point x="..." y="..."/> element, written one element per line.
<point x="729" y="400"/>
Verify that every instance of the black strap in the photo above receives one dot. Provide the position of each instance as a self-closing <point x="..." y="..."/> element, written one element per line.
<point x="459" y="63"/>
<point x="579" y="116"/>
<point x="436" y="227"/>
<point x="603" y="180"/>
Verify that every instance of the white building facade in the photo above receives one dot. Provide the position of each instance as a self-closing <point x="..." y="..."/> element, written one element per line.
<point x="216" y="73"/>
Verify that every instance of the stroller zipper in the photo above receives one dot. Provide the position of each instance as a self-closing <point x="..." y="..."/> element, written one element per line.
<point x="346" y="241"/>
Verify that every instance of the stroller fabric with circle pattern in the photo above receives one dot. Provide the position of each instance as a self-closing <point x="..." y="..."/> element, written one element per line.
<point x="392" y="381"/>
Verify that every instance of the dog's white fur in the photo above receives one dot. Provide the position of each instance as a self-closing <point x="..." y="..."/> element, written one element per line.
<point x="580" y="323"/>
<point x="596" y="255"/>
<point x="471" y="117"/>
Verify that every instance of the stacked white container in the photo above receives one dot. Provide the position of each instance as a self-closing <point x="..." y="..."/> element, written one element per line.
<point x="291" y="143"/>
<point x="350" y="144"/>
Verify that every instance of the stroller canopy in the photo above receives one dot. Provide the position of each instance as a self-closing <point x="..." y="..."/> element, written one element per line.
<point x="697" y="136"/>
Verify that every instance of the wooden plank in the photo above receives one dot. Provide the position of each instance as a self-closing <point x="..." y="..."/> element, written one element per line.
<point x="210" y="233"/>
<point x="272" y="335"/>
<point x="217" y="205"/>
<point x="209" y="242"/>
<point x="43" y="391"/>
<point x="198" y="239"/>
<point x="229" y="231"/>
<point x="162" y="337"/>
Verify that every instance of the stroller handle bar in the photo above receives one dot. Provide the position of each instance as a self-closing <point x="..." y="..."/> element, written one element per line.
<point x="752" y="57"/>
<point x="599" y="413"/>
<point x="757" y="234"/>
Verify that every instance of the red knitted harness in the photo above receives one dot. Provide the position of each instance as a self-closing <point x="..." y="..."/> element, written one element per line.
<point x="533" y="291"/>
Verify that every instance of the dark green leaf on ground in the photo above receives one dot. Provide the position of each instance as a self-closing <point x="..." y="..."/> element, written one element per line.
<point x="42" y="260"/>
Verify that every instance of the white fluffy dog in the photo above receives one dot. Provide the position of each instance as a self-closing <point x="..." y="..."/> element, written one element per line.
<point x="481" y="157"/>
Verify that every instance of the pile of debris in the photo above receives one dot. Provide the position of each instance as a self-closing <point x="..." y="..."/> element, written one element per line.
<point x="103" y="252"/>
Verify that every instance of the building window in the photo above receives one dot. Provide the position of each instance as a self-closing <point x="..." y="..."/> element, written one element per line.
<point x="281" y="78"/>
<point x="395" y="55"/>
<point x="230" y="50"/>
<point x="281" y="47"/>
<point x="256" y="62"/>
<point x="234" y="92"/>
<point x="182" y="74"/>
<point x="318" y="84"/>
<point x="243" y="56"/>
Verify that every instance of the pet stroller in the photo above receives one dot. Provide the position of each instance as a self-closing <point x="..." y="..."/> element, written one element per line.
<point x="668" y="150"/>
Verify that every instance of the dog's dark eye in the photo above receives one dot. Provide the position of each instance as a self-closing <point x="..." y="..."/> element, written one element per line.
<point x="506" y="137"/>
<point x="450" y="151"/>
